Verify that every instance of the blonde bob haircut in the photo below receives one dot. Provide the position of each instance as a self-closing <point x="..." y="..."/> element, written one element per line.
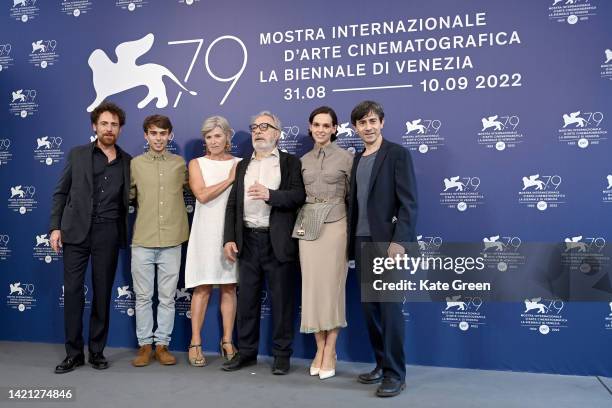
<point x="217" y="122"/>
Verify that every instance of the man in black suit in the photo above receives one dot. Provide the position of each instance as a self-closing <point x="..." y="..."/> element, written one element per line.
<point x="382" y="209"/>
<point x="89" y="220"/>
<point x="259" y="219"/>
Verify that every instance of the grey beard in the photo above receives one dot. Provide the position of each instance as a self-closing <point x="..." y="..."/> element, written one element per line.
<point x="260" y="147"/>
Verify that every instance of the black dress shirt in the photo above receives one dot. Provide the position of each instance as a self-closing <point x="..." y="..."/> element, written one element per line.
<point x="108" y="187"/>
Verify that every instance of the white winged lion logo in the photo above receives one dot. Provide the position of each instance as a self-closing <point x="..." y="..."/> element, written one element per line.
<point x="110" y="78"/>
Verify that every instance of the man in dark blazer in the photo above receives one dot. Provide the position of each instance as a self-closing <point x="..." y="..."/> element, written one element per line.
<point x="259" y="220"/>
<point x="89" y="220"/>
<point x="382" y="209"/>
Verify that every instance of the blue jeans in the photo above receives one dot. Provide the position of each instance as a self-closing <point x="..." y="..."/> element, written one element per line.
<point x="168" y="262"/>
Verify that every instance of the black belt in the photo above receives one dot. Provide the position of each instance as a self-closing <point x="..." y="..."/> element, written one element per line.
<point x="102" y="220"/>
<point x="261" y="230"/>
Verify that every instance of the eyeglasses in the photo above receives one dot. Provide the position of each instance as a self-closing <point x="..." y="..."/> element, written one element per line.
<point x="262" y="126"/>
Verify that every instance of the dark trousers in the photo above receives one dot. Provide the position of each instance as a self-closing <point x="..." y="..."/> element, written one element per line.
<point x="102" y="245"/>
<point x="256" y="260"/>
<point x="385" y="323"/>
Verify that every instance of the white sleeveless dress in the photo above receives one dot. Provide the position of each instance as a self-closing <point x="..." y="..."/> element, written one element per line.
<point x="205" y="263"/>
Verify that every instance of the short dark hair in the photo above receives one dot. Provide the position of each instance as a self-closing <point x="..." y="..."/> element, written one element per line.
<point x="366" y="107"/>
<point x="106" y="106"/>
<point x="330" y="112"/>
<point x="161" y="121"/>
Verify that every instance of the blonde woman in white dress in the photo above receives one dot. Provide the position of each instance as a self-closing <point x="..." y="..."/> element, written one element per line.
<point x="210" y="179"/>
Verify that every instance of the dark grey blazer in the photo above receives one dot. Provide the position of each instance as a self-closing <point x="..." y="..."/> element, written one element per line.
<point x="285" y="202"/>
<point x="73" y="196"/>
<point x="392" y="197"/>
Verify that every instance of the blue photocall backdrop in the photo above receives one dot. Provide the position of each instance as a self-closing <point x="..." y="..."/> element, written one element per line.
<point x="505" y="107"/>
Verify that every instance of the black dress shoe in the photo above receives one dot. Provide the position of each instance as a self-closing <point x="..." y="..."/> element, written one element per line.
<point x="98" y="361"/>
<point x="281" y="365"/>
<point x="69" y="364"/>
<point x="239" y="361"/>
<point x="390" y="387"/>
<point x="373" y="377"/>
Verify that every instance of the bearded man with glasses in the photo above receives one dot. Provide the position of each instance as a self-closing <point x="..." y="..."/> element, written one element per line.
<point x="259" y="220"/>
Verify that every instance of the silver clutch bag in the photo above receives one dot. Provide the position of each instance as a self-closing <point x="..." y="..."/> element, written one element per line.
<point x="310" y="219"/>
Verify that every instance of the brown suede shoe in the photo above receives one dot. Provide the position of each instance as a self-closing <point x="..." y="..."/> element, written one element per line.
<point x="163" y="355"/>
<point x="144" y="356"/>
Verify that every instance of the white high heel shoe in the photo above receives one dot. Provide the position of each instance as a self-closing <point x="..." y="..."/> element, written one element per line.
<point x="314" y="370"/>
<point x="325" y="374"/>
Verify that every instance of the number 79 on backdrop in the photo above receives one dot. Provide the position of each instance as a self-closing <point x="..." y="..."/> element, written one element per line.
<point x="200" y="42"/>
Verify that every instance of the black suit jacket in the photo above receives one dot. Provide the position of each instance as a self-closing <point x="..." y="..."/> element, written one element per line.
<point x="285" y="202"/>
<point x="72" y="206"/>
<point x="392" y="197"/>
